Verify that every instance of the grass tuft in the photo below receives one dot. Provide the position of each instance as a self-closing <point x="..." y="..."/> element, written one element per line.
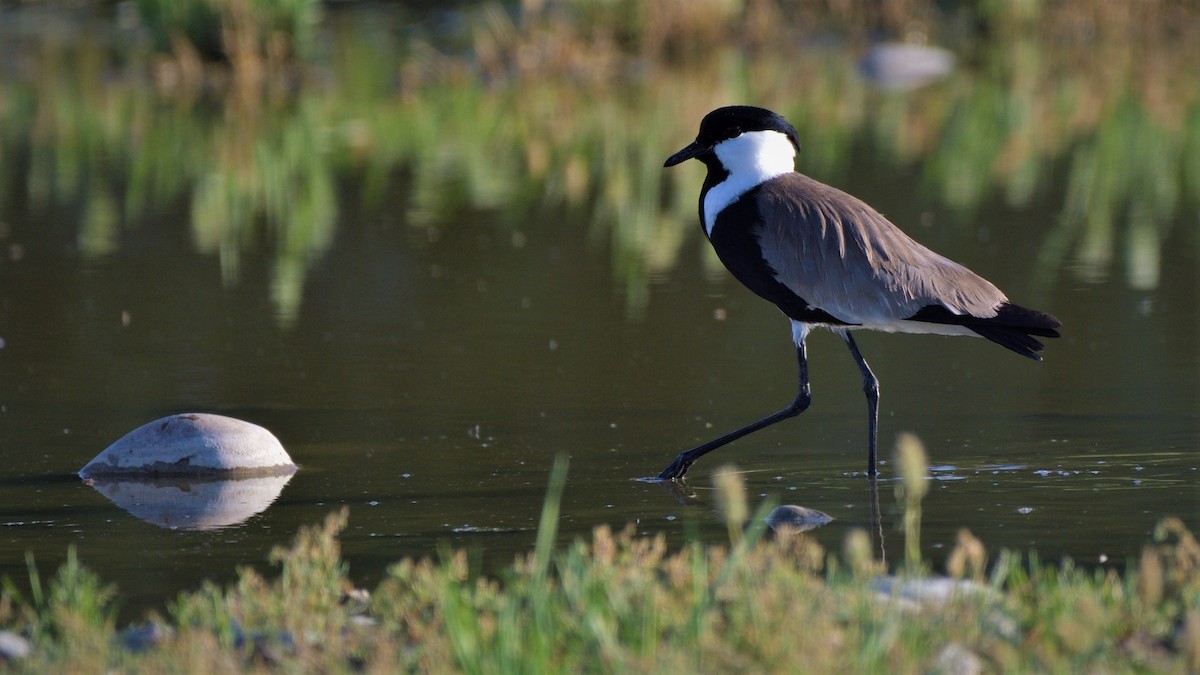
<point x="913" y="464"/>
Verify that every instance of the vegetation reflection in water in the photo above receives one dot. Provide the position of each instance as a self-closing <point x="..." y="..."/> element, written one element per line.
<point x="557" y="110"/>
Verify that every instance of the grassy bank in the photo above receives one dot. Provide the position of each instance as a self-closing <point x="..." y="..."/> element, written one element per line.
<point x="624" y="603"/>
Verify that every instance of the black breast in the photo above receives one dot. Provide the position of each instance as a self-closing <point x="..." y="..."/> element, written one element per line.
<point x="735" y="239"/>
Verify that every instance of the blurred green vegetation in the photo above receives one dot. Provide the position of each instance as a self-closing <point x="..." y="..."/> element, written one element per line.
<point x="560" y="114"/>
<point x="232" y="30"/>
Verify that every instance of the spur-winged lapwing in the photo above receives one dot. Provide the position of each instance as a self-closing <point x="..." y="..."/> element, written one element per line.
<point x="827" y="259"/>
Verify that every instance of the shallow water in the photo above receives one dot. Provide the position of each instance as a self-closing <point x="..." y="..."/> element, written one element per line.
<point x="426" y="373"/>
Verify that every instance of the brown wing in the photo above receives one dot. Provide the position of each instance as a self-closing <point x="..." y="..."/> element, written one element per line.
<point x="845" y="258"/>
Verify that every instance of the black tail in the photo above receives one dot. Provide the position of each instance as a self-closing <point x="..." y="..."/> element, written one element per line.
<point x="1012" y="327"/>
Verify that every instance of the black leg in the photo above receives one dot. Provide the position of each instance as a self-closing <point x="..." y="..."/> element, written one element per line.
<point x="688" y="457"/>
<point x="871" y="388"/>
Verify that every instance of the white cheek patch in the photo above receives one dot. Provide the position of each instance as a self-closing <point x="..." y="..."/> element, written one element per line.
<point x="750" y="159"/>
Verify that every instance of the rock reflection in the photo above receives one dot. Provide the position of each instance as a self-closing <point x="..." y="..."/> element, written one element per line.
<point x="181" y="503"/>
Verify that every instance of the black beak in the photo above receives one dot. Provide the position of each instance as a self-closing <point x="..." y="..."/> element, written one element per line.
<point x="685" y="154"/>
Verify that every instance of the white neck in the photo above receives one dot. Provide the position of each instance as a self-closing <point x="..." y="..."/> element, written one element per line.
<point x="750" y="159"/>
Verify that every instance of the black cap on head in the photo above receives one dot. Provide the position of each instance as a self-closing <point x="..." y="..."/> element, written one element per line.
<point x="731" y="122"/>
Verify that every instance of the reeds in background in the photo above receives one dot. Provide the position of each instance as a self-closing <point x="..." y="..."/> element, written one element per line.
<point x="563" y="112"/>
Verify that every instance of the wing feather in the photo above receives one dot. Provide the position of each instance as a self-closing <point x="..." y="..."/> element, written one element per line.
<point x="846" y="259"/>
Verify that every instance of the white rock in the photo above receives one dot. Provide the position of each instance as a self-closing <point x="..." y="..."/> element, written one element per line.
<point x="13" y="647"/>
<point x="193" y="444"/>
<point x="955" y="659"/>
<point x="932" y="591"/>
<point x="899" y="67"/>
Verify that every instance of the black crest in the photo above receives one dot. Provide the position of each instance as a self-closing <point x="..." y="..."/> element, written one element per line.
<point x="732" y="121"/>
<point x="729" y="122"/>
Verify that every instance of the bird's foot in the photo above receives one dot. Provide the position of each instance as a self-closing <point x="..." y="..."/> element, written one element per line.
<point x="677" y="469"/>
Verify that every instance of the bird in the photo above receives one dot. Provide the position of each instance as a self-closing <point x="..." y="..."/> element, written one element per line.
<point x="828" y="260"/>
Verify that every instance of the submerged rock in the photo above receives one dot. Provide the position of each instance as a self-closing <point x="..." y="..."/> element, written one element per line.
<point x="792" y="518"/>
<point x="193" y="444"/>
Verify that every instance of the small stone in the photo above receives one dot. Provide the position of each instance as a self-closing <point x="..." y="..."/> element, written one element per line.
<point x="141" y="638"/>
<point x="936" y="591"/>
<point x="14" y="647"/>
<point x="901" y="67"/>
<point x="361" y="621"/>
<point x="955" y="659"/>
<point x="792" y="518"/>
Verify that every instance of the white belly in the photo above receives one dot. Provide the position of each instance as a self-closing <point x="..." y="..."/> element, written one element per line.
<point x="800" y="329"/>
